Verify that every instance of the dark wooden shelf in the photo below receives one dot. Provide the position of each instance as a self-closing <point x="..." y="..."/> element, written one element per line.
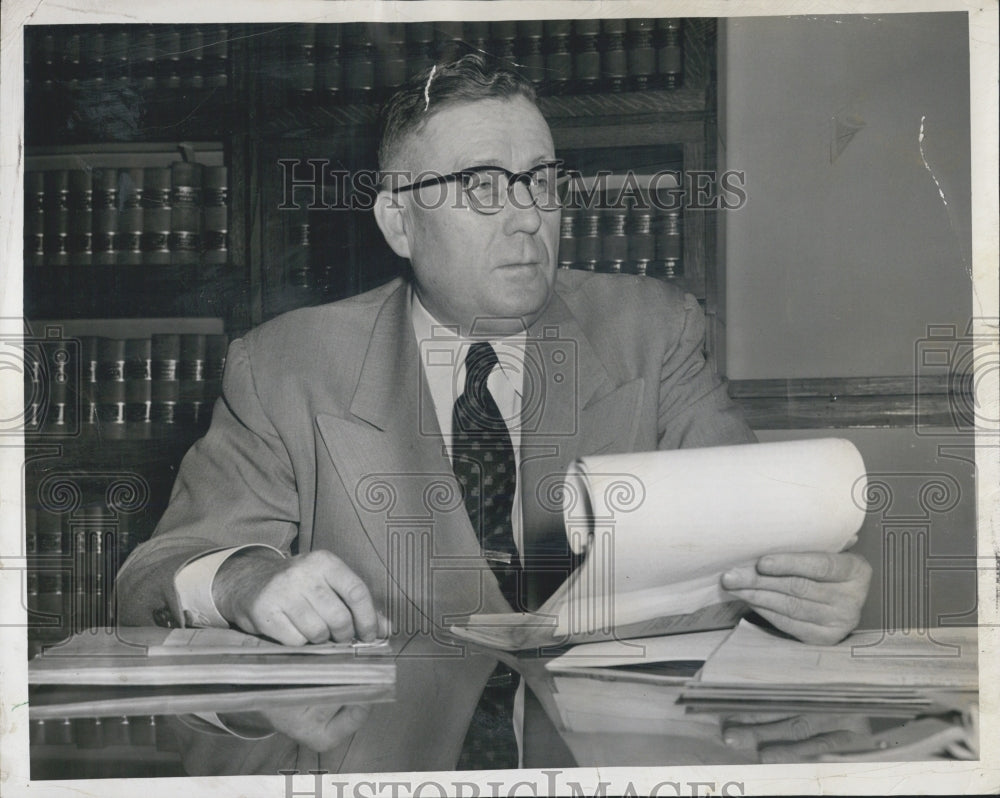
<point x="129" y="291"/>
<point x="96" y="110"/>
<point x="313" y="117"/>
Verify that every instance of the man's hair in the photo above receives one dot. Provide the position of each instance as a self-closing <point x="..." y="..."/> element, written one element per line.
<point x="468" y="79"/>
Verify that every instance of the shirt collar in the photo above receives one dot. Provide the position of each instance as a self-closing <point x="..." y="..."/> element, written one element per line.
<point x="510" y="349"/>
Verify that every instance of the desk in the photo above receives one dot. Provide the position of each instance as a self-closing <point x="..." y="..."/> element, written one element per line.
<point x="439" y="681"/>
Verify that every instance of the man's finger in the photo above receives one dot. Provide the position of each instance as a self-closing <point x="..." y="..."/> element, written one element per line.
<point x="806" y="631"/>
<point x="842" y="567"/>
<point x="797" y="586"/>
<point x="353" y="592"/>
<point x="789" y="606"/>
<point x="278" y="626"/>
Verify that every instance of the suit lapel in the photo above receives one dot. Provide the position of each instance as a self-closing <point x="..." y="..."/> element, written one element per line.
<point x="389" y="453"/>
<point x="574" y="408"/>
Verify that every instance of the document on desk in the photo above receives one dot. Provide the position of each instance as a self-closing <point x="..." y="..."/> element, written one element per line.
<point x="656" y="531"/>
<point x="153" y="655"/>
<point x="917" y="671"/>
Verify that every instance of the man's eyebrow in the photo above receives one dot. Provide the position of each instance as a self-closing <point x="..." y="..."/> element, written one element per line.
<point x="535" y="163"/>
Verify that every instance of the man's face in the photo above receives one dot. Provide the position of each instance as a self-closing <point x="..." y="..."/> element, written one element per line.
<point x="471" y="267"/>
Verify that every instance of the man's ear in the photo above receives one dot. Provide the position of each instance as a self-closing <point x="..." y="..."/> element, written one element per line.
<point x="390" y="215"/>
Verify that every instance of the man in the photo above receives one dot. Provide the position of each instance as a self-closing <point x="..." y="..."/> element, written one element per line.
<point x="316" y="505"/>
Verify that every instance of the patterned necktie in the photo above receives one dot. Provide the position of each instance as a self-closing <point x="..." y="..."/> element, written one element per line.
<point x="485" y="467"/>
<point x="484" y="464"/>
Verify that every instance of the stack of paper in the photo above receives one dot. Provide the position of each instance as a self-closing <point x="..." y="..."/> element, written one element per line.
<point x="875" y="672"/>
<point x="150" y="670"/>
<point x="658" y="529"/>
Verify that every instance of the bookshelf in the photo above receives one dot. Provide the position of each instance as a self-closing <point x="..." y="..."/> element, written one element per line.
<point x="226" y="105"/>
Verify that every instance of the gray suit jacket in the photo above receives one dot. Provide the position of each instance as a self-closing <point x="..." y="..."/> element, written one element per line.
<point x="325" y="437"/>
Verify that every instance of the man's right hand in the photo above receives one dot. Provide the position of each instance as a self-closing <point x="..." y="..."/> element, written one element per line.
<point x="310" y="598"/>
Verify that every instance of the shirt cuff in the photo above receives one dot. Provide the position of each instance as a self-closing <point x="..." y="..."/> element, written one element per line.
<point x="193" y="585"/>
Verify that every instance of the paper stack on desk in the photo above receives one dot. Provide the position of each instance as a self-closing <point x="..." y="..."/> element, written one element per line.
<point x="658" y="529"/>
<point x="151" y="670"/>
<point x="877" y="672"/>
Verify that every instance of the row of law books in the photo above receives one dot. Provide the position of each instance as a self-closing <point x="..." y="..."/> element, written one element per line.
<point x="123" y="388"/>
<point x="359" y="60"/>
<point x="72" y="562"/>
<point x="622" y="241"/>
<point x="127" y="56"/>
<point x="131" y="216"/>
<point x="148" y="731"/>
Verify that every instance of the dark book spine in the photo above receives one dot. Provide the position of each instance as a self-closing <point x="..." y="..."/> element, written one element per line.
<point x="419" y="46"/>
<point x="89" y="419"/>
<point x="329" y="61"/>
<point x="300" y="274"/>
<point x="558" y="58"/>
<point x="165" y="388"/>
<point x="191" y="376"/>
<point x="504" y="36"/>
<point x="156" y="187"/>
<point x="641" y="54"/>
<point x="586" y="54"/>
<point x="588" y="243"/>
<point x="138" y="387"/>
<point x="51" y="544"/>
<point x="131" y="184"/>
<point x="217" y="57"/>
<point x="300" y="62"/>
<point x="614" y="241"/>
<point x="391" y="68"/>
<point x="185" y="184"/>
<point x="105" y="231"/>
<point x="359" y="66"/>
<point x="669" y="246"/>
<point x="35" y="391"/>
<point x="57" y="217"/>
<point x="215" y="215"/>
<point x="531" y="44"/>
<point x="168" y="57"/>
<point x="156" y="221"/>
<point x="185" y="234"/>
<point x="60" y="732"/>
<point x="129" y="238"/>
<point x="34" y="219"/>
<point x="670" y="53"/>
<point x="192" y="62"/>
<point x="143" y="59"/>
<point x="89" y="733"/>
<point x="567" y="238"/>
<point x="143" y="730"/>
<point x="448" y="38"/>
<point x="111" y="387"/>
<point x="156" y="230"/>
<point x="641" y="241"/>
<point x="63" y="368"/>
<point x="614" y="59"/>
<point x="117" y="731"/>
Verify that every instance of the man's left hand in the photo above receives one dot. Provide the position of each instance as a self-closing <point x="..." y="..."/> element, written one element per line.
<point x="815" y="597"/>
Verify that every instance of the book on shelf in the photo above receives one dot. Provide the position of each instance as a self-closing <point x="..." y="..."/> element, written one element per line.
<point x="132" y="382"/>
<point x="144" y="656"/>
<point x="655" y="531"/>
<point x="363" y="62"/>
<point x="103" y="216"/>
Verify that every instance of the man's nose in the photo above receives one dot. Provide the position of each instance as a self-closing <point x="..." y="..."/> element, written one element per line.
<point x="522" y="213"/>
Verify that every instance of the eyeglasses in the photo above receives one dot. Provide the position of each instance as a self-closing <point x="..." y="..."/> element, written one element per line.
<point x="488" y="188"/>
